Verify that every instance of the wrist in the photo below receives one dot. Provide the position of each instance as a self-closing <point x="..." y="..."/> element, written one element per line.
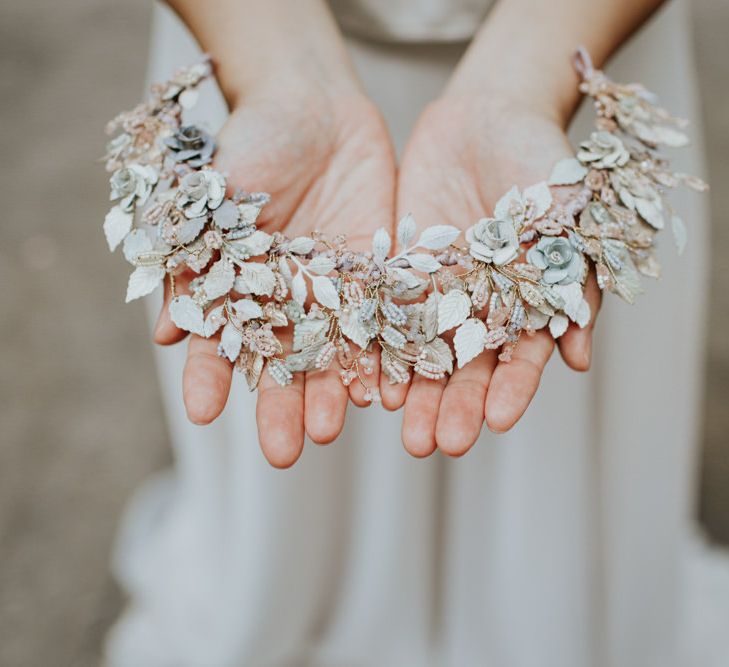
<point x="539" y="87"/>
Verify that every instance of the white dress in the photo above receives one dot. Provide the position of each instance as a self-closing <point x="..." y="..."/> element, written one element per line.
<point x="565" y="543"/>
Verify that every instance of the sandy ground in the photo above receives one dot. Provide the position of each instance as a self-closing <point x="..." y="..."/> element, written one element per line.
<point x="80" y="414"/>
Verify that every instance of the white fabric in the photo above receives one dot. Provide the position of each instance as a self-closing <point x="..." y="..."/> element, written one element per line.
<point x="412" y="20"/>
<point x="566" y="543"/>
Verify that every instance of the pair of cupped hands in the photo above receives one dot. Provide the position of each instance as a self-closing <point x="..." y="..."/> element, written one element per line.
<point x="325" y="156"/>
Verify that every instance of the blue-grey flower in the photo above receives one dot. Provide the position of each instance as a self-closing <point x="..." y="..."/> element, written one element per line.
<point x="192" y="145"/>
<point x="199" y="192"/>
<point x="559" y="261"/>
<point x="493" y="241"/>
<point x="132" y="185"/>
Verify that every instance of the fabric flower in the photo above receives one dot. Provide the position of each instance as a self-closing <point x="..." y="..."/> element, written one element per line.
<point x="192" y="145"/>
<point x="493" y="241"/>
<point x="200" y="191"/>
<point x="132" y="185"/>
<point x="603" y="151"/>
<point x="559" y="261"/>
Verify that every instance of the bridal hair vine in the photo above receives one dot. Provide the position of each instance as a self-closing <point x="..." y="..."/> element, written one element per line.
<point x="525" y="267"/>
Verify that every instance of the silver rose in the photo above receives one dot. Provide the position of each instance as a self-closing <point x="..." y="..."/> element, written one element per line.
<point x="493" y="241"/>
<point x="603" y="151"/>
<point x="132" y="185"/>
<point x="560" y="262"/>
<point x="192" y="145"/>
<point x="199" y="192"/>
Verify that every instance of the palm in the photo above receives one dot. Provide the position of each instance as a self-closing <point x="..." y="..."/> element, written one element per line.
<point x="328" y="168"/>
<point x="459" y="161"/>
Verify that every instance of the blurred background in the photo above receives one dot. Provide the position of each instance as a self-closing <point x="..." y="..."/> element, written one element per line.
<point x="81" y="421"/>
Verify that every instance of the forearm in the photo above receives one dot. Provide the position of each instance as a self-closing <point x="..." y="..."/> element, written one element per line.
<point x="524" y="48"/>
<point x="265" y="42"/>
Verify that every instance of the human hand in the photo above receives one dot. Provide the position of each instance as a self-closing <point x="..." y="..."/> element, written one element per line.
<point x="465" y="153"/>
<point x="324" y="155"/>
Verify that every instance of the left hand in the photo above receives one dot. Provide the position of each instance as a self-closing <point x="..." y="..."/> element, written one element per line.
<point x="465" y="153"/>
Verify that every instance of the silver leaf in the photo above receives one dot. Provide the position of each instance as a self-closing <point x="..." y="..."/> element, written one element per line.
<point x="453" y="309"/>
<point x="117" y="225"/>
<point x="144" y="280"/>
<point x="325" y="292"/>
<point x="187" y="315"/>
<point x="469" y="340"/>
<point x="438" y="237"/>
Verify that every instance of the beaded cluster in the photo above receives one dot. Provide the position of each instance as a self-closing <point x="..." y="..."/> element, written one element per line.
<point x="428" y="300"/>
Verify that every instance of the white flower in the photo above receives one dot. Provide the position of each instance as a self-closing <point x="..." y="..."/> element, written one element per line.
<point x="200" y="191"/>
<point x="493" y="240"/>
<point x="132" y="185"/>
<point x="603" y="151"/>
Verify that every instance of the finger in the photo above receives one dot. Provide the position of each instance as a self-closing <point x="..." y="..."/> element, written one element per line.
<point x="364" y="386"/>
<point x="325" y="404"/>
<point x="205" y="380"/>
<point x="392" y="394"/>
<point x="515" y="382"/>
<point x="165" y="331"/>
<point x="461" y="412"/>
<point x="420" y="415"/>
<point x="280" y="420"/>
<point x="575" y="345"/>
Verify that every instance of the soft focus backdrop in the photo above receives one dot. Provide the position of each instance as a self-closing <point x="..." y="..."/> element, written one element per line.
<point x="80" y="416"/>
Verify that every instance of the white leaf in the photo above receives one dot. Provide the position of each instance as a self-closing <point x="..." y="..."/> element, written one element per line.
<point x="679" y="233"/>
<point x="117" y="225"/>
<point x="257" y="243"/>
<point x="572" y="296"/>
<point x="231" y="341"/>
<point x="187" y="315"/>
<point x="453" y="309"/>
<point x="321" y="265"/>
<point x="501" y="210"/>
<point x="567" y="172"/>
<point x="381" y="244"/>
<point x="255" y="278"/>
<point x="537" y="319"/>
<point x="404" y="276"/>
<point x="136" y="243"/>
<point x="650" y="211"/>
<point x="301" y="245"/>
<point x="248" y="213"/>
<point x="406" y="230"/>
<point x="298" y="288"/>
<point x="558" y="325"/>
<point x="440" y="352"/>
<point x="469" y="340"/>
<point x="188" y="98"/>
<point x="541" y="196"/>
<point x="226" y="215"/>
<point x="308" y="333"/>
<point x="213" y="321"/>
<point x="219" y="280"/>
<point x="143" y="281"/>
<point x="423" y="262"/>
<point x="669" y="136"/>
<point x="284" y="269"/>
<point x="247" y="309"/>
<point x="189" y="229"/>
<point x="438" y="237"/>
<point x="353" y="329"/>
<point x="325" y="292"/>
<point x="430" y="316"/>
<point x="583" y="315"/>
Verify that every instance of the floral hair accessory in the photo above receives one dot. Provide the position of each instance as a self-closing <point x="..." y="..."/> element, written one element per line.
<point x="525" y="266"/>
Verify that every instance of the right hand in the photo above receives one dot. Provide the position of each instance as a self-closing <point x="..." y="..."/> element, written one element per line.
<point x="324" y="156"/>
